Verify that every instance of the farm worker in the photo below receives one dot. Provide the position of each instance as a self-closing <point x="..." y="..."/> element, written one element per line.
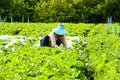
<point x="56" y="37"/>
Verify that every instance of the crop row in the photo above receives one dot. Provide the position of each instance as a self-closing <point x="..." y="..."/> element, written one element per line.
<point x="96" y="55"/>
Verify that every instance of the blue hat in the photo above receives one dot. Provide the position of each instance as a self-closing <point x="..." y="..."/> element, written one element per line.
<point x="60" y="30"/>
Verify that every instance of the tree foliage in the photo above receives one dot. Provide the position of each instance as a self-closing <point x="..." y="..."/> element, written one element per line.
<point x="60" y="10"/>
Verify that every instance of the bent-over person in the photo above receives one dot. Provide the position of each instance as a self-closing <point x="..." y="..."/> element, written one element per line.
<point x="55" y="38"/>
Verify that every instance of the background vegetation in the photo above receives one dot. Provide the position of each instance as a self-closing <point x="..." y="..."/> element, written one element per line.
<point x="60" y="10"/>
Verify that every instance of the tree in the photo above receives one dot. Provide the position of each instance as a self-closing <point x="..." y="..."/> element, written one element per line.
<point x="112" y="8"/>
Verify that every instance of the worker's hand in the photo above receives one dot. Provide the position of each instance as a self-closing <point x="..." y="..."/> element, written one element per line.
<point x="69" y="48"/>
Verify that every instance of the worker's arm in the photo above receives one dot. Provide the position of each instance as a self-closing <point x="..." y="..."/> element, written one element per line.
<point x="52" y="39"/>
<point x="64" y="42"/>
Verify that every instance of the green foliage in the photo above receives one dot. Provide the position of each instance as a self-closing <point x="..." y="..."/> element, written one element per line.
<point x="112" y="8"/>
<point x="41" y="63"/>
<point x="60" y="10"/>
<point x="96" y="55"/>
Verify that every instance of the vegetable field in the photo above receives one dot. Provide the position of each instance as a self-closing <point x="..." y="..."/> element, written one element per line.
<point x="95" y="55"/>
